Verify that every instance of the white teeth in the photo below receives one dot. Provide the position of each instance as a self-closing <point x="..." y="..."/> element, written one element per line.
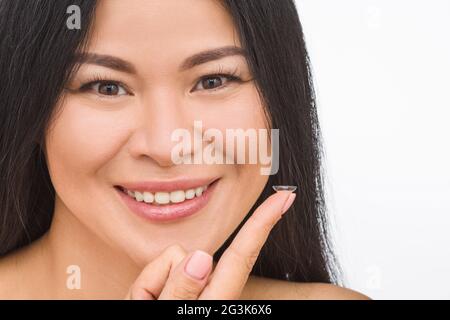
<point x="177" y="196"/>
<point x="148" y="197"/>
<point x="167" y="197"/>
<point x="139" y="196"/>
<point x="162" y="197"/>
<point x="198" y="191"/>
<point x="190" y="193"/>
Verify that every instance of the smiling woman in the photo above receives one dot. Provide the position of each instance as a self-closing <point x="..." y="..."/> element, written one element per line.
<point x="85" y="137"/>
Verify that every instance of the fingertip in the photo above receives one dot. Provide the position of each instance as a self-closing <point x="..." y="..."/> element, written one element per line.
<point x="276" y="201"/>
<point x="288" y="203"/>
<point x="286" y="194"/>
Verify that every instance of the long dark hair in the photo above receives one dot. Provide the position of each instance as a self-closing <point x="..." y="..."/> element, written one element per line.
<point x="36" y="60"/>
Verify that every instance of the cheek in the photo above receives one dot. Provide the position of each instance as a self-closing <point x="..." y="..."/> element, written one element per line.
<point x="81" y="139"/>
<point x="242" y="109"/>
<point x="240" y="117"/>
<point x="79" y="142"/>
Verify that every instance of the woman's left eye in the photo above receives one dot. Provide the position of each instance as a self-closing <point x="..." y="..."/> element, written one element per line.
<point x="106" y="88"/>
<point x="215" y="82"/>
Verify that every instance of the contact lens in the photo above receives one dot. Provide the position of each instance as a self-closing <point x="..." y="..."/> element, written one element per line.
<point x="284" y="188"/>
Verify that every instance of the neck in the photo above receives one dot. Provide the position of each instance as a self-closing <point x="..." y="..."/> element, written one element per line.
<point x="74" y="263"/>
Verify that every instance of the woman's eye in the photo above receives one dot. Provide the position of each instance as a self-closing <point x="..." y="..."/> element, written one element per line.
<point x="106" y="88"/>
<point x="109" y="89"/>
<point x="214" y="82"/>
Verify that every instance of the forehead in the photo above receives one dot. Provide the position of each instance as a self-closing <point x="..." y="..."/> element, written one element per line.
<point x="160" y="31"/>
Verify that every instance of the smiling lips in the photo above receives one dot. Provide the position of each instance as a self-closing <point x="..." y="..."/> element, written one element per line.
<point x="163" y="201"/>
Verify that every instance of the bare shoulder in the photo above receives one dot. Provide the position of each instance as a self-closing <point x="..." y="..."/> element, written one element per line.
<point x="273" y="289"/>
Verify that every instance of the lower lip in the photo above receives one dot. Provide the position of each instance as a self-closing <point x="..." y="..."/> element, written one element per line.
<point x="168" y="212"/>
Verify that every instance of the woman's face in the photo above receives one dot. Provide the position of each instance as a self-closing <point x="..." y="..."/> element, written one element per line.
<point x="110" y="134"/>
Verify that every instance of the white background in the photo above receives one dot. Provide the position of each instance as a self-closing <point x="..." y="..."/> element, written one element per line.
<point x="382" y="77"/>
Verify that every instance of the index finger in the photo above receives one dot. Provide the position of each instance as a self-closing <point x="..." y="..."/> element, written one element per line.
<point x="236" y="263"/>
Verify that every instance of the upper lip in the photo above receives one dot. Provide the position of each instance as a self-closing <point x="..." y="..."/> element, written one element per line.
<point x="167" y="186"/>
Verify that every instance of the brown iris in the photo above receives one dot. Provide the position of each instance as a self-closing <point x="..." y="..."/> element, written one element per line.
<point x="109" y="89"/>
<point x="211" y="83"/>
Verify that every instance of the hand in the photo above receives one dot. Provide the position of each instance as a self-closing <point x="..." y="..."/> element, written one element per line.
<point x="173" y="276"/>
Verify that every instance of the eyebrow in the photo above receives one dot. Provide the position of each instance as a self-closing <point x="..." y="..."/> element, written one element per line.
<point x="210" y="55"/>
<point x="107" y="61"/>
<point x="121" y="65"/>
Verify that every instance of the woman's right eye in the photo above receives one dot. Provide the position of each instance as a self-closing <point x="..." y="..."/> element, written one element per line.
<point x="105" y="88"/>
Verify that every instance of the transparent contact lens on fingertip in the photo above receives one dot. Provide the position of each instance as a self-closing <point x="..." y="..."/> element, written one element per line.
<point x="284" y="188"/>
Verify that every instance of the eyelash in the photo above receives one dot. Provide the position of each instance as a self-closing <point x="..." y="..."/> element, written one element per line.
<point x="99" y="79"/>
<point x="231" y="76"/>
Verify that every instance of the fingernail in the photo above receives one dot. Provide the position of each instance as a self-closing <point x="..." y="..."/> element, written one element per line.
<point x="288" y="203"/>
<point x="198" y="265"/>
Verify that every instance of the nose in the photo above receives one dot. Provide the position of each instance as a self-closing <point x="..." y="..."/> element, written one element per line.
<point x="156" y="118"/>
